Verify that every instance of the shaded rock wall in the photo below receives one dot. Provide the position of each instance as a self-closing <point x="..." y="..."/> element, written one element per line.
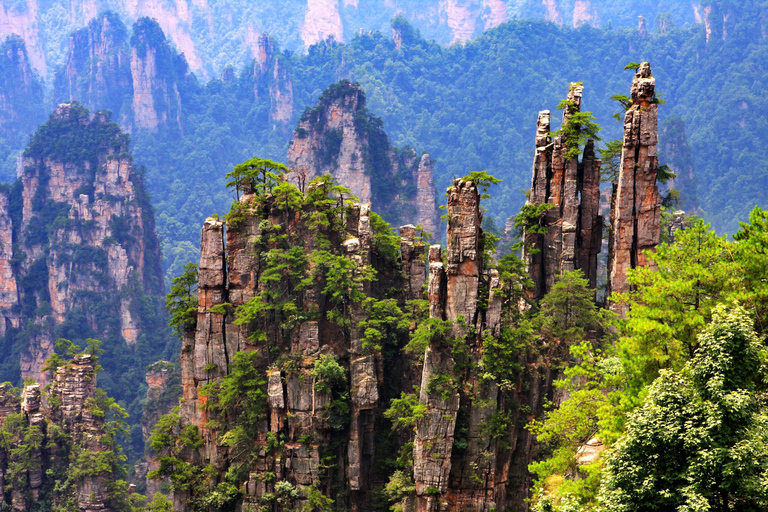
<point x="21" y="99"/>
<point x="675" y="152"/>
<point x="341" y="138"/>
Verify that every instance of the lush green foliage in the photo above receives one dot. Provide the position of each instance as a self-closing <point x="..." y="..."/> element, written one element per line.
<point x="181" y="302"/>
<point x="677" y="396"/>
<point x="67" y="455"/>
<point x="699" y="442"/>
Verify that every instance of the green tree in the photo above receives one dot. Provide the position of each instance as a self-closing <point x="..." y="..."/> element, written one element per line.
<point x="751" y="254"/>
<point x="673" y="300"/>
<point x="182" y="300"/>
<point x="700" y="440"/>
<point x="257" y="175"/>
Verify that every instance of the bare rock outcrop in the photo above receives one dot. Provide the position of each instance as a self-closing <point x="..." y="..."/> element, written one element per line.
<point x="271" y="78"/>
<point x="568" y="236"/>
<point x="77" y="241"/>
<point x="67" y="450"/>
<point x="341" y="138"/>
<point x="636" y="205"/>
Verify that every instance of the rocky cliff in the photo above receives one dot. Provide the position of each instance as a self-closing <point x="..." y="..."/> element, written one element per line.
<point x="341" y="138"/>
<point x="563" y="229"/>
<point x="327" y="322"/>
<point x="79" y="257"/>
<point x="271" y="79"/>
<point x="568" y="234"/>
<point x="98" y="68"/>
<point x="140" y="79"/>
<point x="636" y="202"/>
<point x="58" y="446"/>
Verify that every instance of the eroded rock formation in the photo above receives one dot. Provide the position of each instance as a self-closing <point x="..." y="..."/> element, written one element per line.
<point x="79" y="257"/>
<point x="57" y="446"/>
<point x="105" y="68"/>
<point x="568" y="236"/>
<point x="271" y="78"/>
<point x="324" y="438"/>
<point x="326" y="432"/>
<point x="341" y="138"/>
<point x="98" y="68"/>
<point x="636" y="204"/>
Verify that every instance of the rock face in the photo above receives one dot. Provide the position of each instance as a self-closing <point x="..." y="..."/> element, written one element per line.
<point x="271" y="78"/>
<point x="105" y="67"/>
<point x="568" y="236"/>
<point x="78" y="252"/>
<point x="636" y="205"/>
<point x="327" y="431"/>
<point x="318" y="438"/>
<point x="98" y="68"/>
<point x="61" y="439"/>
<point x="341" y="138"/>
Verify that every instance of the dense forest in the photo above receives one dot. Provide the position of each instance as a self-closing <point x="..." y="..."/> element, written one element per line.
<point x="470" y="105"/>
<point x="330" y="364"/>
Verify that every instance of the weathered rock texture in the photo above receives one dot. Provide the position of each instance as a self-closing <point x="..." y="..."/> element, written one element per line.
<point x="636" y="205"/>
<point x="271" y="79"/>
<point x="140" y="79"/>
<point x="458" y="464"/>
<point x="63" y="438"/>
<point x="331" y="438"/>
<point x="79" y="257"/>
<point x="320" y="449"/>
<point x="341" y="138"/>
<point x="569" y="235"/>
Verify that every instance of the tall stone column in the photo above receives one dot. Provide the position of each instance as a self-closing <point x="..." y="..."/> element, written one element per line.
<point x="636" y="208"/>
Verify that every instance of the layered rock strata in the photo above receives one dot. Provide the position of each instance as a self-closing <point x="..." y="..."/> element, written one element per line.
<point x="319" y="441"/>
<point x="78" y="251"/>
<point x="70" y="424"/>
<point x="230" y="275"/>
<point x="568" y="236"/>
<point x="636" y="203"/>
<point x="341" y="138"/>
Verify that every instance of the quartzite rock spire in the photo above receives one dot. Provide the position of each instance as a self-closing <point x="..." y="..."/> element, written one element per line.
<point x="636" y="205"/>
<point x="573" y="225"/>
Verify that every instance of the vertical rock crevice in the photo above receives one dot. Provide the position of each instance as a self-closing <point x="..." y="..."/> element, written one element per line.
<point x="636" y="202"/>
<point x="568" y="235"/>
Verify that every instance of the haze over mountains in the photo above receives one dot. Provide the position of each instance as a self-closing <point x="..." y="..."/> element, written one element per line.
<point x="463" y="104"/>
<point x="213" y="34"/>
<point x="381" y="372"/>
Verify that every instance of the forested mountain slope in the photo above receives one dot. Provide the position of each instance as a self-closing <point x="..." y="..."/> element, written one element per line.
<point x="213" y="34"/>
<point x="468" y="105"/>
